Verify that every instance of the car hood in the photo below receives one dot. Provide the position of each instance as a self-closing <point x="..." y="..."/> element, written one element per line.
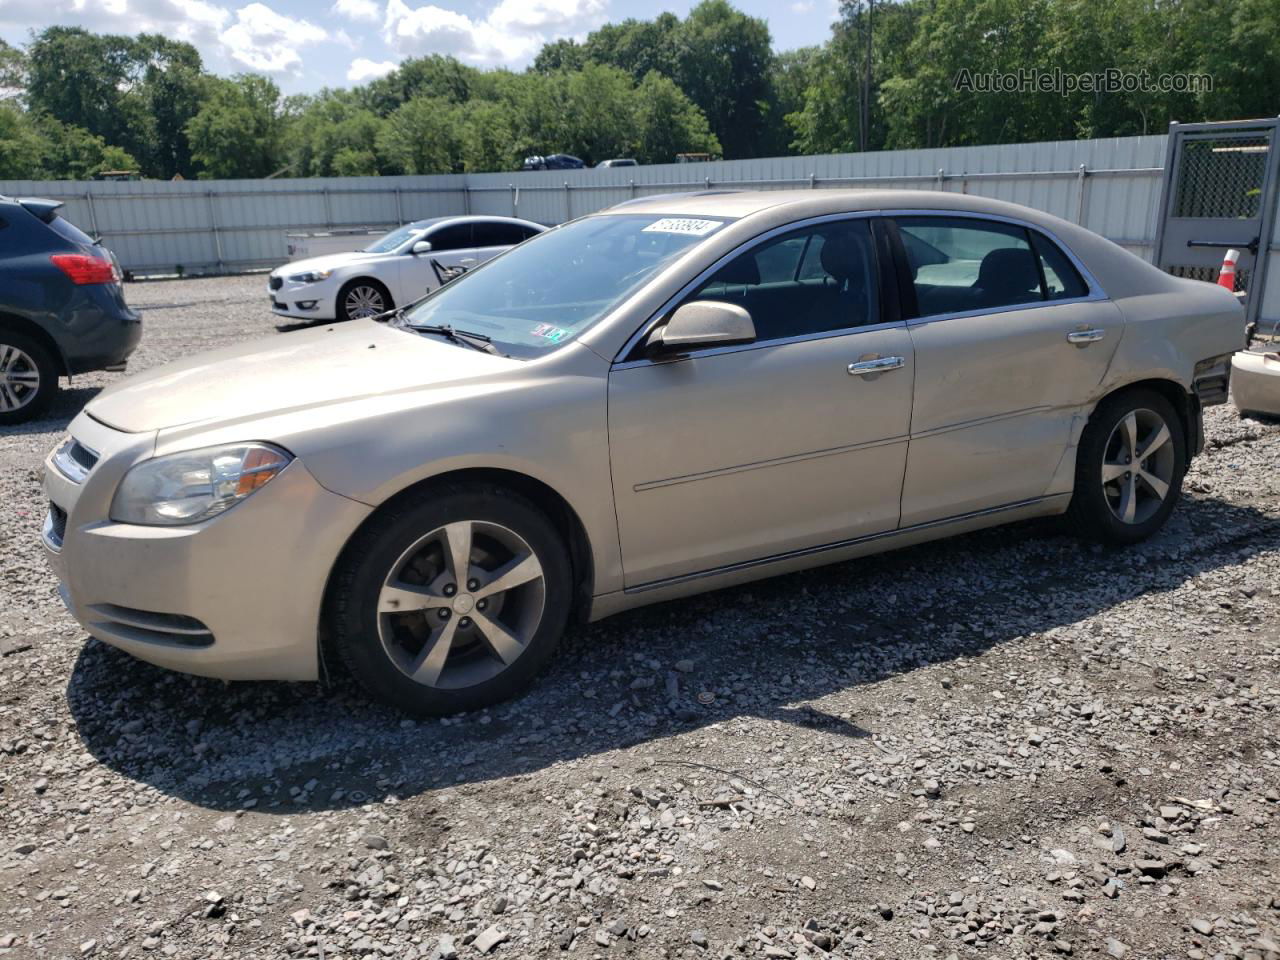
<point x="330" y="261"/>
<point x="288" y="372"/>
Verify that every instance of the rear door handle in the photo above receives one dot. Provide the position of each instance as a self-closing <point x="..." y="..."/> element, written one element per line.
<point x="1083" y="337"/>
<point x="879" y="365"/>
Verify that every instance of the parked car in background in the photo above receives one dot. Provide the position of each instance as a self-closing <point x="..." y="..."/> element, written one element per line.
<point x="553" y="161"/>
<point x="62" y="309"/>
<point x="671" y="396"/>
<point x="396" y="269"/>
<point x="620" y="162"/>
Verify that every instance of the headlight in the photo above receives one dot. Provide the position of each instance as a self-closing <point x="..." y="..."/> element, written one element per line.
<point x="190" y="487"/>
<point x="312" y="276"/>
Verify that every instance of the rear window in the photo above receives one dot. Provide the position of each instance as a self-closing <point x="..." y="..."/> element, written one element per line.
<point x="69" y="231"/>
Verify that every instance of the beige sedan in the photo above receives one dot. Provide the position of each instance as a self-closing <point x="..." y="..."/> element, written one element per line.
<point x="668" y="397"/>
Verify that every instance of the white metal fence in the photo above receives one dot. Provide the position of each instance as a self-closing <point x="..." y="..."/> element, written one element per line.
<point x="1110" y="186"/>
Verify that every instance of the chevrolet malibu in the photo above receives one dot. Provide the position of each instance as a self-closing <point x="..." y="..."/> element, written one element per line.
<point x="671" y="396"/>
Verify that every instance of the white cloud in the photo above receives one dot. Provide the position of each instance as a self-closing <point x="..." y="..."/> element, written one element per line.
<point x="357" y="9"/>
<point x="512" y="32"/>
<point x="802" y="6"/>
<point x="265" y="40"/>
<point x="362" y="70"/>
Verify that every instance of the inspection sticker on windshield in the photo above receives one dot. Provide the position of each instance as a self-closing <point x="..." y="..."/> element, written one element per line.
<point x="552" y="333"/>
<point x="686" y="225"/>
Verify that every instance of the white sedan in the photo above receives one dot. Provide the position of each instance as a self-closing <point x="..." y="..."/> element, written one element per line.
<point x="399" y="268"/>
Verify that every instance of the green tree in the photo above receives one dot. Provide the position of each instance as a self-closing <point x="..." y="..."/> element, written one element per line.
<point x="723" y="61"/>
<point x="73" y="153"/>
<point x="422" y="136"/>
<point x="563" y="54"/>
<point x="23" y="146"/>
<point x="431" y="76"/>
<point x="332" y="122"/>
<point x="13" y="73"/>
<point x="637" y="46"/>
<point x="668" y="122"/>
<point x="237" y="131"/>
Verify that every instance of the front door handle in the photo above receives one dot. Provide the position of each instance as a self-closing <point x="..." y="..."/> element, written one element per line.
<point x="879" y="365"/>
<point x="1084" y="337"/>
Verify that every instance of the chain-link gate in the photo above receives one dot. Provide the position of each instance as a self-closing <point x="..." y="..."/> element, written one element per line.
<point x="1220" y="184"/>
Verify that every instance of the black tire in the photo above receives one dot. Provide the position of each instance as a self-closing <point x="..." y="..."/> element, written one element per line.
<point x="342" y="308"/>
<point x="363" y="637"/>
<point x="21" y="358"/>
<point x="1093" y="513"/>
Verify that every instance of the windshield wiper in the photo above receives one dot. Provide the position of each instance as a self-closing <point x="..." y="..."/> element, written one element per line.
<point x="476" y="341"/>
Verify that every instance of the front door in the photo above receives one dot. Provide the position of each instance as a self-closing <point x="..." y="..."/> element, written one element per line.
<point x="1011" y="341"/>
<point x="793" y="442"/>
<point x="452" y="254"/>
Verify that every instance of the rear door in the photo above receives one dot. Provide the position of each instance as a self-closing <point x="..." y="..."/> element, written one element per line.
<point x="492" y="237"/>
<point x="1012" y="338"/>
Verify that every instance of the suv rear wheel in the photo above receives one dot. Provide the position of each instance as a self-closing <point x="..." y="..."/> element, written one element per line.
<point x="28" y="377"/>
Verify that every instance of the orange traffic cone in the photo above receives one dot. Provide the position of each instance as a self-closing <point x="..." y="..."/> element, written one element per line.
<point x="1227" y="278"/>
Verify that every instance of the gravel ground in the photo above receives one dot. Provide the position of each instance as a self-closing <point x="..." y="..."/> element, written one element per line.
<point x="1008" y="744"/>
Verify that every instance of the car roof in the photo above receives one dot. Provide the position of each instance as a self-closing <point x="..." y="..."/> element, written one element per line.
<point x="471" y="218"/>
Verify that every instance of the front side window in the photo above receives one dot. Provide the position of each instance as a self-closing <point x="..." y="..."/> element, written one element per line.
<point x="812" y="280"/>
<point x="960" y="264"/>
<point x="545" y="292"/>
<point x="456" y="236"/>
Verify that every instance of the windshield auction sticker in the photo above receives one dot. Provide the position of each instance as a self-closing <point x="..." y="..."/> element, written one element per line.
<point x="685" y="225"/>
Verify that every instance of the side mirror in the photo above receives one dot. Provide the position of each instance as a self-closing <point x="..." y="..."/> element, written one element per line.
<point x="703" y="323"/>
<point x="421" y="247"/>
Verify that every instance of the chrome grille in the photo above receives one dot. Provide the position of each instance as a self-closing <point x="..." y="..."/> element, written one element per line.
<point x="55" y="526"/>
<point x="74" y="460"/>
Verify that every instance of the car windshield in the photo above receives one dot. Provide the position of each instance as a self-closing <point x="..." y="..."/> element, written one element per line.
<point x="557" y="285"/>
<point x="393" y="240"/>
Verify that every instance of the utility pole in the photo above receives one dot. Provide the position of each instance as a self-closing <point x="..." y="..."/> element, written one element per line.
<point x="863" y="136"/>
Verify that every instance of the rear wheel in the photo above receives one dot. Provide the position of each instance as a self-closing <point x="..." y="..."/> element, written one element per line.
<point x="1129" y="468"/>
<point x="453" y="603"/>
<point x="28" y="377"/>
<point x="363" y="298"/>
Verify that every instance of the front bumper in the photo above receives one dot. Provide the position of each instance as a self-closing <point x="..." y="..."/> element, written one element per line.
<point x="304" y="301"/>
<point x="236" y="597"/>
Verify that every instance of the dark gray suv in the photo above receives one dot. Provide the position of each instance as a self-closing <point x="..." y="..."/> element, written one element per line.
<point x="62" y="310"/>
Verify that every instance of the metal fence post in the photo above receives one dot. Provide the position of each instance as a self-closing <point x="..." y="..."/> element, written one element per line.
<point x="633" y="188"/>
<point x="568" y="205"/>
<point x="93" y="213"/>
<point x="515" y="199"/>
<point x="213" y="227"/>
<point x="941" y="178"/>
<point x="328" y="211"/>
<point x="399" y="209"/>
<point x="466" y="198"/>
<point x="1080" y="193"/>
<point x="813" y="181"/>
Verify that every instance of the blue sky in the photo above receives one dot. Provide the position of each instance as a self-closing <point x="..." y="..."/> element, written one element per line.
<point x="308" y="45"/>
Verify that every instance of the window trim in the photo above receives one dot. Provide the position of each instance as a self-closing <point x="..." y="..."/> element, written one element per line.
<point x="888" y="301"/>
<point x="1095" y="291"/>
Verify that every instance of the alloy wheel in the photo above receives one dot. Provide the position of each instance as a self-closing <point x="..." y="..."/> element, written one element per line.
<point x="461" y="604"/>
<point x="364" y="301"/>
<point x="1138" y="466"/>
<point x="19" y="378"/>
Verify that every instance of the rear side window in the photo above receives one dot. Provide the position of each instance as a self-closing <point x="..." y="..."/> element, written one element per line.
<point x="790" y="292"/>
<point x="454" y="237"/>
<point x="1062" y="281"/>
<point x="960" y="264"/>
<point x="527" y="232"/>
<point x="497" y="234"/>
<point x="69" y="231"/>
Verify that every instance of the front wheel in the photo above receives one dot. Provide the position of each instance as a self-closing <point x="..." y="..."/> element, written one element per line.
<point x="452" y="603"/>
<point x="1129" y="468"/>
<point x="363" y="298"/>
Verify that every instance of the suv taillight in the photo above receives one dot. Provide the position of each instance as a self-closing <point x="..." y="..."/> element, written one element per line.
<point x="84" y="269"/>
